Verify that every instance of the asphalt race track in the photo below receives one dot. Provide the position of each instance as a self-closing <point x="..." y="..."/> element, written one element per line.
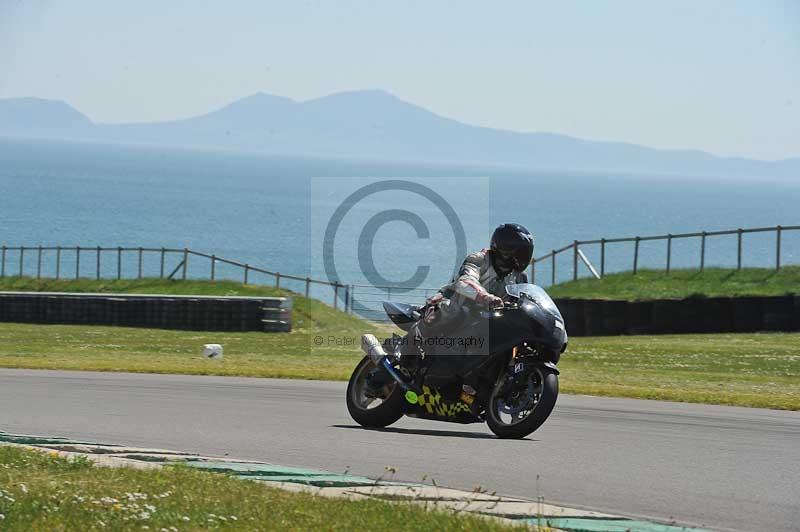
<point x="713" y="466"/>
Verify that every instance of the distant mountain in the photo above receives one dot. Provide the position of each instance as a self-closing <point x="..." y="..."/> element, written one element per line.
<point x="35" y="117"/>
<point x="376" y="125"/>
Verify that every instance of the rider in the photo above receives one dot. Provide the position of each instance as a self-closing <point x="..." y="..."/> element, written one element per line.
<point x="481" y="280"/>
<point x="483" y="276"/>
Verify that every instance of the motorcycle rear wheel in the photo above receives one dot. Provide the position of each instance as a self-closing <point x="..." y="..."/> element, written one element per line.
<point x="363" y="409"/>
<point x="543" y="383"/>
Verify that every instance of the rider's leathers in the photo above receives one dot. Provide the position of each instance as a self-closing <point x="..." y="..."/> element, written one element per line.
<point x="475" y="282"/>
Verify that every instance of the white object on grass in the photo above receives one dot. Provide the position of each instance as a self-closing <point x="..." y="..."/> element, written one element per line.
<point x="212" y="351"/>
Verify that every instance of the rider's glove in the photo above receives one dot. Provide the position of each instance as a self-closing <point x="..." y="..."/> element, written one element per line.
<point x="491" y="301"/>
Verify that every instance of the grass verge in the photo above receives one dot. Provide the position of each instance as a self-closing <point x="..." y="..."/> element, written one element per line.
<point x="759" y="370"/>
<point x="651" y="284"/>
<point x="41" y="491"/>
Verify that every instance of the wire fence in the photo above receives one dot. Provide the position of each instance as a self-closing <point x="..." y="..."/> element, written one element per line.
<point x="97" y="262"/>
<point x="579" y="249"/>
<point x="366" y="300"/>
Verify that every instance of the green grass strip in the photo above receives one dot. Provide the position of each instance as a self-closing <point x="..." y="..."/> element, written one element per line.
<point x="42" y="491"/>
<point x="757" y="370"/>
<point x="656" y="284"/>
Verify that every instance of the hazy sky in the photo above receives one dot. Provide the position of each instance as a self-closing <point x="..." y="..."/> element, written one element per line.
<point x="721" y="76"/>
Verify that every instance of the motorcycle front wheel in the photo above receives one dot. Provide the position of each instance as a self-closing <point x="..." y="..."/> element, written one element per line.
<point x="514" y="411"/>
<point x="379" y="411"/>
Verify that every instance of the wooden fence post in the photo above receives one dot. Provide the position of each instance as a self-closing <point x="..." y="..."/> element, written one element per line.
<point x="636" y="255"/>
<point x="336" y="295"/>
<point x="347" y="299"/>
<point x="213" y="266"/>
<point x="58" y="262"/>
<point x="308" y="285"/>
<point x="139" y="273"/>
<point x="574" y="260"/>
<point x="278" y="280"/>
<point x="3" y="267"/>
<point x="702" y="251"/>
<point x="39" y="263"/>
<point x="77" y="262"/>
<point x="669" y="252"/>
<point x="97" y="269"/>
<point x="739" y="249"/>
<point x="533" y="272"/>
<point x="119" y="262"/>
<point x="21" y="259"/>
<point x="161" y="275"/>
<point x="602" y="257"/>
<point x="246" y="272"/>
<point x="185" y="262"/>
<point x="553" y="268"/>
<point x="778" y="248"/>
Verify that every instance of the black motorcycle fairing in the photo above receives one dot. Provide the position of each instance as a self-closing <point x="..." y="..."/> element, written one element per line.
<point x="542" y="326"/>
<point x="403" y="315"/>
<point x="544" y="322"/>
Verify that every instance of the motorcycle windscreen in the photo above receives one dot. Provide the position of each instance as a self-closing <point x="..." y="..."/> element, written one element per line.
<point x="535" y="294"/>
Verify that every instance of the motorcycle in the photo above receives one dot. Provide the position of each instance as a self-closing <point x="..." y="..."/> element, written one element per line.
<point x="497" y="367"/>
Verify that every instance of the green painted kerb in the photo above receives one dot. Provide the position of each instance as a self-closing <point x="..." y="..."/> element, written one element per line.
<point x="273" y="473"/>
<point x="576" y="524"/>
<point x="22" y="439"/>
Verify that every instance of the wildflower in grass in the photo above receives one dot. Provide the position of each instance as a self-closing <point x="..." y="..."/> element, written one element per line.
<point x="23" y="488"/>
<point x="185" y="518"/>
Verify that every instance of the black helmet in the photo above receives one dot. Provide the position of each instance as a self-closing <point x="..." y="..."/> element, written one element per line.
<point x="512" y="249"/>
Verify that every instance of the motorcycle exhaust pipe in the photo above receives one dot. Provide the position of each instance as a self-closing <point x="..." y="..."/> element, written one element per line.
<point x="374" y="350"/>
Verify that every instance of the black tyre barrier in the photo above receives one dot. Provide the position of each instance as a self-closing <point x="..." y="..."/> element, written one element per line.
<point x="639" y="317"/>
<point x="573" y="313"/>
<point x="594" y="317"/>
<point x="614" y="317"/>
<point x="796" y="313"/>
<point x="666" y="316"/>
<point x="716" y="314"/>
<point x="199" y="313"/>
<point x="778" y="313"/>
<point x="748" y="314"/>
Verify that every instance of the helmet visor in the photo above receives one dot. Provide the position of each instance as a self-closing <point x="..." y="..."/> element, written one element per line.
<point x="516" y="259"/>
